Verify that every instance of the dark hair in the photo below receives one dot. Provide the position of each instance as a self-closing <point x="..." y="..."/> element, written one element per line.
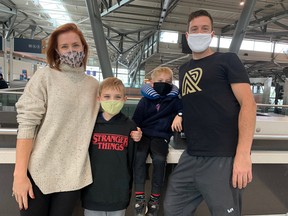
<point x="52" y="55"/>
<point x="199" y="13"/>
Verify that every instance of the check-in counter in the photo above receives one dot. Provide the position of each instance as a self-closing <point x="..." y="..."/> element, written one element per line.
<point x="266" y="195"/>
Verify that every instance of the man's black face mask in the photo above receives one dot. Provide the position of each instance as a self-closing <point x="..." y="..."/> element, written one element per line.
<point x="162" y="88"/>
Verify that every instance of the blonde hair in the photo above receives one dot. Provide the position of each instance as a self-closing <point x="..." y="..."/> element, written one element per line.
<point x="112" y="83"/>
<point x="161" y="70"/>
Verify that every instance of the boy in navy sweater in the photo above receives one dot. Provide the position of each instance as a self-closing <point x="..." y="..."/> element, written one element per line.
<point x="155" y="113"/>
<point x="112" y="153"/>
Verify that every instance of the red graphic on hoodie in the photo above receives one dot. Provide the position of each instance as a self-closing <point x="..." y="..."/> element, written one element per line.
<point x="112" y="142"/>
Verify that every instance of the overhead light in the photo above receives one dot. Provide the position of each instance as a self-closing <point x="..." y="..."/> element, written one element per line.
<point x="242" y="2"/>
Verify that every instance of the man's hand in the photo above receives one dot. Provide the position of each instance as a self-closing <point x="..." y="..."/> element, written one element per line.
<point x="242" y="170"/>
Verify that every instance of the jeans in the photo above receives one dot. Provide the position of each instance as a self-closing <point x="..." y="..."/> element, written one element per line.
<point x="158" y="149"/>
<point x="104" y="213"/>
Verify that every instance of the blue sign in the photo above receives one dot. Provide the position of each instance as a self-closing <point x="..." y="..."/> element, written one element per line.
<point x="27" y="45"/>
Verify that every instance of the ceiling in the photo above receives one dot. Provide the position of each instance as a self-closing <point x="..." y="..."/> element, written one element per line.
<point x="128" y="24"/>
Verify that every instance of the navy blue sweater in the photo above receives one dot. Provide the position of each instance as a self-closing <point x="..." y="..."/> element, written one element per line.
<point x="154" y="114"/>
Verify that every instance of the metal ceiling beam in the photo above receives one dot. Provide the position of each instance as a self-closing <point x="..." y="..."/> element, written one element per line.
<point x="33" y="28"/>
<point x="125" y="13"/>
<point x="172" y="6"/>
<point x="272" y="20"/>
<point x="242" y="24"/>
<point x="8" y="3"/>
<point x="255" y="22"/>
<point x="11" y="25"/>
<point x="110" y="10"/>
<point x="139" y="21"/>
<point x="163" y="12"/>
<point x="116" y="7"/>
<point x="281" y="25"/>
<point x="99" y="38"/>
<point x="282" y="33"/>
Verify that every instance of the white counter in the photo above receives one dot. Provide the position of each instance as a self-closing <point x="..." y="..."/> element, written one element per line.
<point x="7" y="156"/>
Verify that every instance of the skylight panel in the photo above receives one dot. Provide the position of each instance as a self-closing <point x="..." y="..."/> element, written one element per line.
<point x="58" y="13"/>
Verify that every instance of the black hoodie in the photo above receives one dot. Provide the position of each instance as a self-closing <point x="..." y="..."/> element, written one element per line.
<point x="111" y="154"/>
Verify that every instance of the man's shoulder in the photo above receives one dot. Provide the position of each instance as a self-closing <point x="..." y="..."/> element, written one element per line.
<point x="185" y="64"/>
<point x="225" y="55"/>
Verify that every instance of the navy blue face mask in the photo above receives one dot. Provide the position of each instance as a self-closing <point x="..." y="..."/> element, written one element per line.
<point x="162" y="88"/>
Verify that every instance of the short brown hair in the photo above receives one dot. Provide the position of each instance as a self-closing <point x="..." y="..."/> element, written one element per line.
<point x="112" y="83"/>
<point x="160" y="70"/>
<point x="199" y="13"/>
<point x="52" y="55"/>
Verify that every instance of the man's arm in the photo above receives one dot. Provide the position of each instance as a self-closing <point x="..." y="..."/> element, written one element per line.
<point x="242" y="168"/>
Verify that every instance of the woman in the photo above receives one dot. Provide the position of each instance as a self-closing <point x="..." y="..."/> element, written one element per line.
<point x="56" y="116"/>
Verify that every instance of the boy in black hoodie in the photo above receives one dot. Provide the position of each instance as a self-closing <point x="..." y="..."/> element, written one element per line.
<point x="112" y="153"/>
<point x="157" y="113"/>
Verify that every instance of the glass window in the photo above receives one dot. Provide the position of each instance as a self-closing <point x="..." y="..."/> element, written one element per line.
<point x="214" y="42"/>
<point x="247" y="45"/>
<point x="281" y="48"/>
<point x="169" y="37"/>
<point x="263" y="46"/>
<point x="225" y="42"/>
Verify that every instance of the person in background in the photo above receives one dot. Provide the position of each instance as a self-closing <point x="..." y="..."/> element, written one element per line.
<point x="157" y="113"/>
<point x="3" y="83"/>
<point x="219" y="120"/>
<point x="112" y="153"/>
<point x="56" y="115"/>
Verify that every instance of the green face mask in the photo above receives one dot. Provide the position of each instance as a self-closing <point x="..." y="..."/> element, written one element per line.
<point x="112" y="107"/>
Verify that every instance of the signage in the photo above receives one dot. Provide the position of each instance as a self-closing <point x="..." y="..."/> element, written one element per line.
<point x="27" y="45"/>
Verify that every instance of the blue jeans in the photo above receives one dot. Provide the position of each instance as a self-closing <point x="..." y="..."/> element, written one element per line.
<point x="158" y="149"/>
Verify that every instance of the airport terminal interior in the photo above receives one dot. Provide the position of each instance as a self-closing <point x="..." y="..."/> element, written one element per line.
<point x="128" y="39"/>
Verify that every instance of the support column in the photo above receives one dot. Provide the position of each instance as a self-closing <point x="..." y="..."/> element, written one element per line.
<point x="242" y="24"/>
<point x="99" y="38"/>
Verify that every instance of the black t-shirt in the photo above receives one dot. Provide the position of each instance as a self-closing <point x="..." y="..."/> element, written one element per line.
<point x="210" y="109"/>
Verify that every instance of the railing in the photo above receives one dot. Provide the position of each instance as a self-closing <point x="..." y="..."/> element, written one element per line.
<point x="8" y="131"/>
<point x="279" y="109"/>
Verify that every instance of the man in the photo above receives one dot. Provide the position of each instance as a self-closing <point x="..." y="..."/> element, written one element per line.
<point x="219" y="114"/>
<point x="3" y="83"/>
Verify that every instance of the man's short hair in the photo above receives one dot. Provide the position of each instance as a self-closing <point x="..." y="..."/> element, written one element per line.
<point x="199" y="13"/>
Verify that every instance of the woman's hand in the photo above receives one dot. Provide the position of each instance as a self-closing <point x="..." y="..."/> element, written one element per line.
<point x="22" y="187"/>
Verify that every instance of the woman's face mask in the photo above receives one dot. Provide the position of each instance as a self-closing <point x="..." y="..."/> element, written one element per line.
<point x="72" y="58"/>
<point x="199" y="42"/>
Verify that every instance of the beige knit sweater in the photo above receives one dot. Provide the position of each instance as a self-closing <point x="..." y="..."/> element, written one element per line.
<point x="58" y="109"/>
